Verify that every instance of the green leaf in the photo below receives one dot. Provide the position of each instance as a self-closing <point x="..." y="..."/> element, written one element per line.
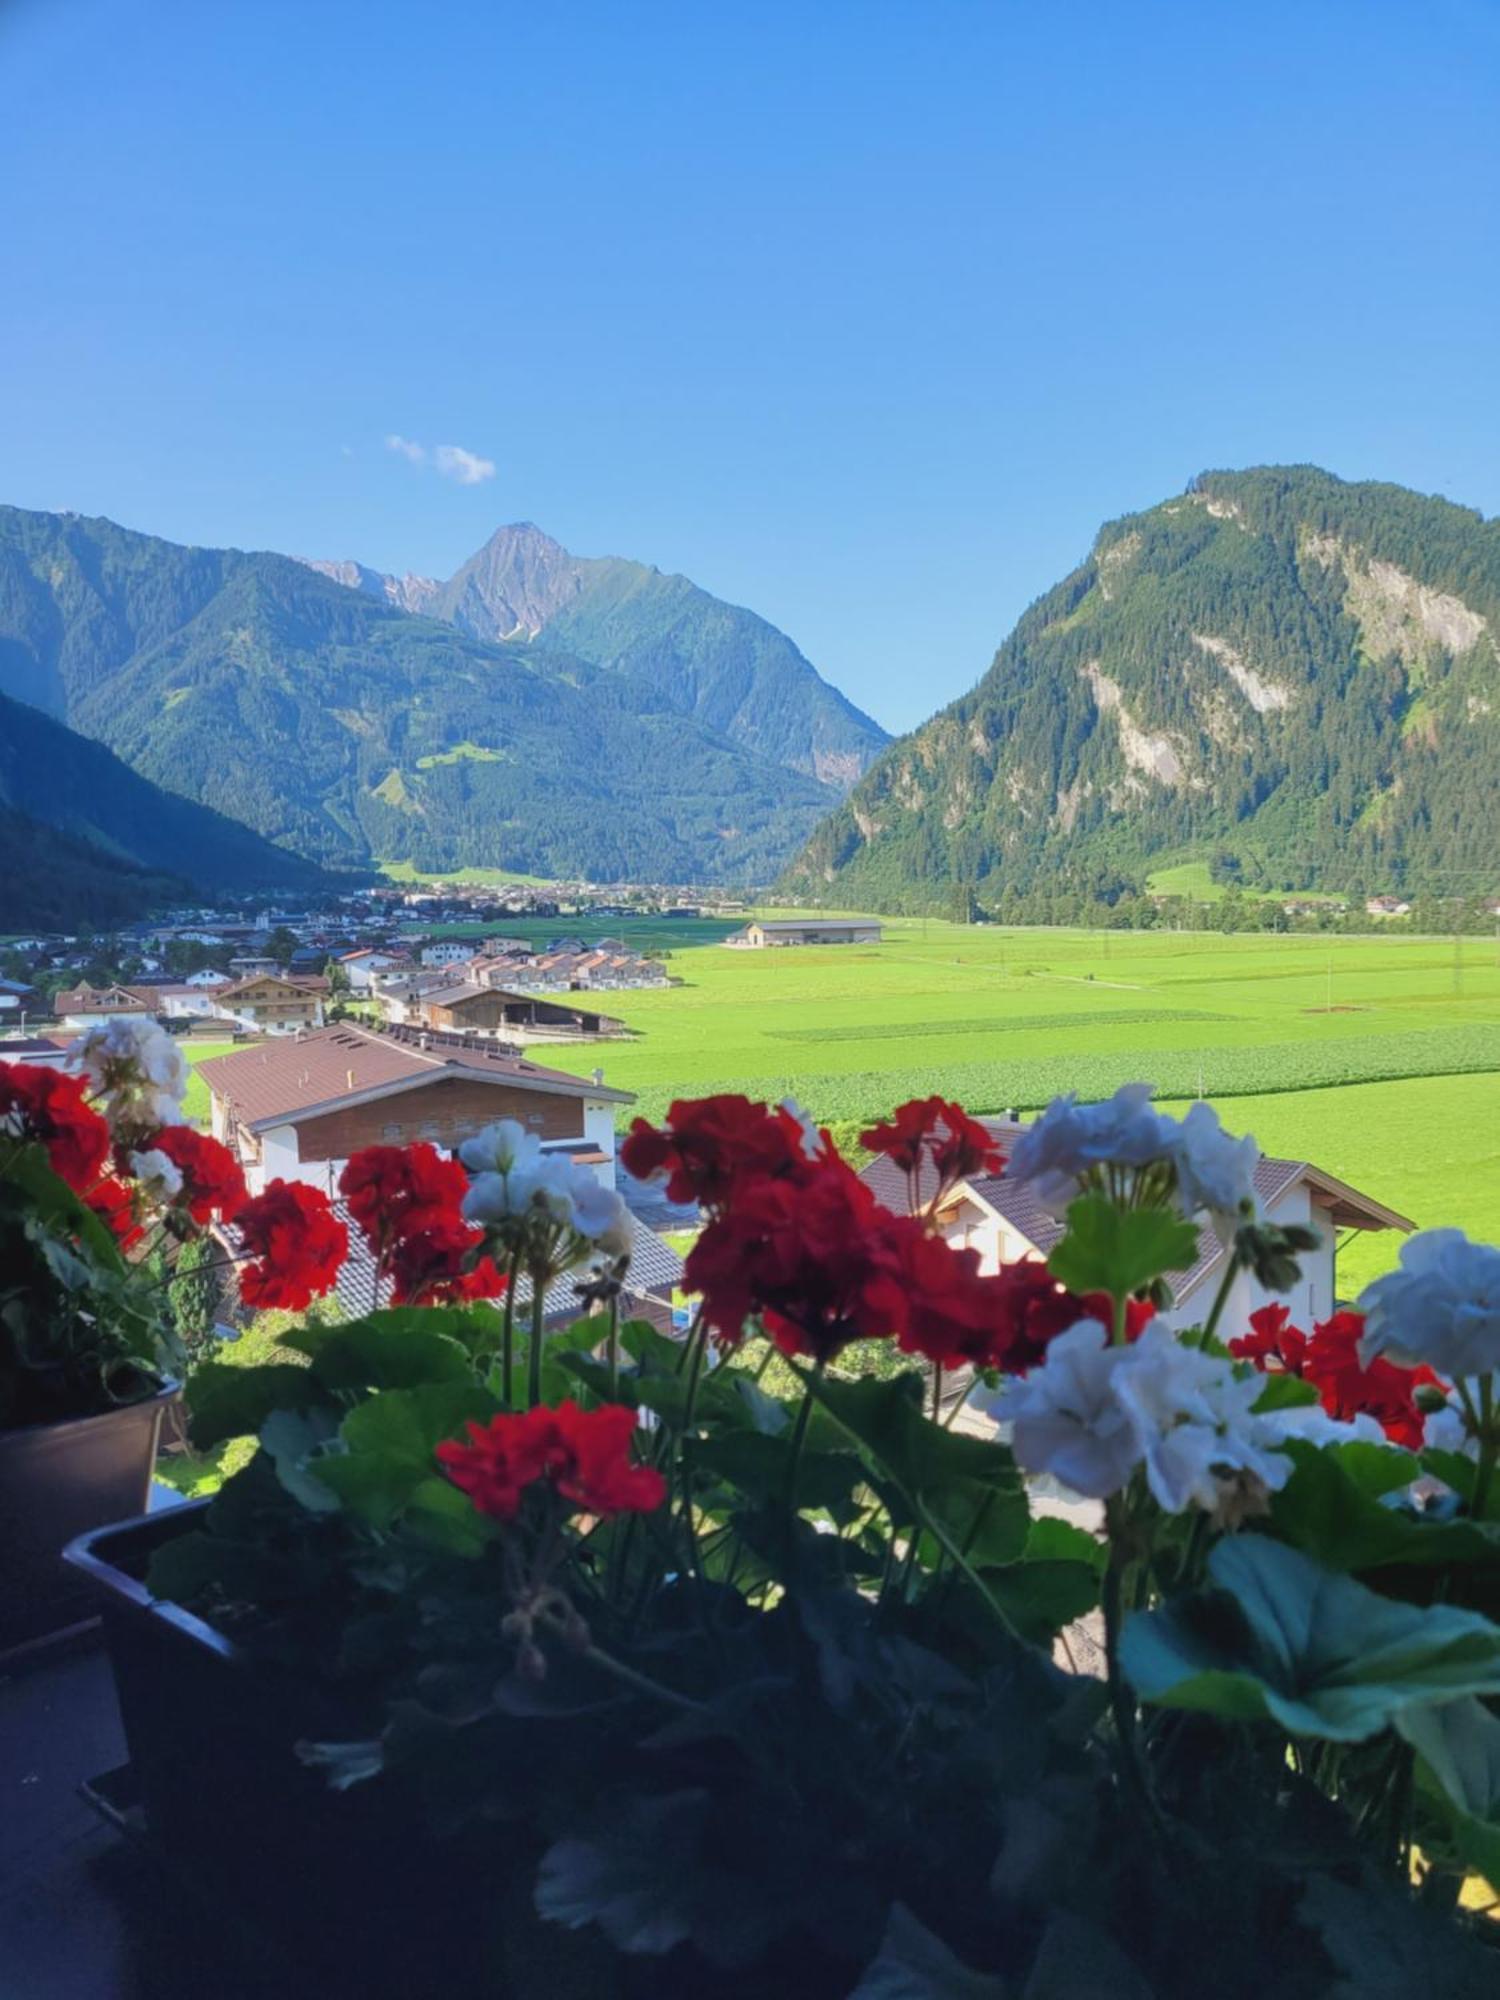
<point x="1052" y="1539"/>
<point x="228" y="1402"/>
<point x="1283" y="1640"/>
<point x="913" y="1964"/>
<point x="757" y="1466"/>
<point x="1330" y="1509"/>
<point x="291" y="1438"/>
<point x="969" y="1485"/>
<point x="1458" y="1745"/>
<point x="388" y="1350"/>
<point x="390" y="1443"/>
<point x="1117" y="1250"/>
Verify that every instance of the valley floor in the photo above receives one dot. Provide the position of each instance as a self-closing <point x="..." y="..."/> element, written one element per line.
<point x="1378" y="1058"/>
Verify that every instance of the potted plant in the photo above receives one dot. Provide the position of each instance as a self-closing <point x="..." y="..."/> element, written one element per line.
<point x="101" y="1184"/>
<point x="655" y="1679"/>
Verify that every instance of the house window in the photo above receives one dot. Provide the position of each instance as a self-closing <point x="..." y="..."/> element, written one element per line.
<point x="390" y="1131"/>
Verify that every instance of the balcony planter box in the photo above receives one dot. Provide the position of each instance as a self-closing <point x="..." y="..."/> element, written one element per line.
<point x="352" y="1886"/>
<point x="56" y="1481"/>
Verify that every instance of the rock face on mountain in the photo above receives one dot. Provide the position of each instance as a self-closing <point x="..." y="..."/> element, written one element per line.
<point x="720" y="664"/>
<point x="347" y="730"/>
<point x="1291" y="674"/>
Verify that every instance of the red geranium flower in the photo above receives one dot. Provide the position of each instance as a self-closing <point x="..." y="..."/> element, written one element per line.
<point x="583" y="1454"/>
<point x="931" y="1132"/>
<point x="1273" y="1343"/>
<point x="903" y="1137"/>
<point x="1348" y="1388"/>
<point x="49" y="1106"/>
<point x="428" y="1265"/>
<point x="394" y="1191"/>
<point x="113" y="1202"/>
<point x="815" y="1254"/>
<point x="298" y="1244"/>
<point x="212" y="1183"/>
<point x="710" y="1144"/>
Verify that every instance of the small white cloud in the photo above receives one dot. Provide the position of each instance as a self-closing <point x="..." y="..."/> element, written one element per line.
<point x="467" y="467"/>
<point x="415" y="452"/>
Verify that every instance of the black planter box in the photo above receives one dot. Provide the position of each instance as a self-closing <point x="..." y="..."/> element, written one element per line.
<point x="57" y="1481"/>
<point x="349" y="1887"/>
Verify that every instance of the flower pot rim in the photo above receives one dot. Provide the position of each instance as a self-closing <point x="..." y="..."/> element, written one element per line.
<point x="170" y="1388"/>
<point x="84" y="1555"/>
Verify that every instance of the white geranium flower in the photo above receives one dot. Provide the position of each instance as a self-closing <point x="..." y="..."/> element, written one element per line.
<point x="501" y="1148"/>
<point x="1069" y="1138"/>
<point x="1066" y="1418"/>
<point x="1194" y="1421"/>
<point x="1312" y="1424"/>
<point x="489" y="1199"/>
<point x="159" y="1176"/>
<point x="1442" y="1306"/>
<point x="137" y="1073"/>
<point x="598" y="1211"/>
<point x="1214" y="1171"/>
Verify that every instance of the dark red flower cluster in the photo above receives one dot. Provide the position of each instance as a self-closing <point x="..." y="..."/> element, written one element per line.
<point x="1328" y="1358"/>
<point x="406" y="1202"/>
<point x="212" y="1183"/>
<point x="711" y="1145"/>
<point x="583" y="1454"/>
<point x="796" y="1238"/>
<point x="113" y="1201"/>
<point x="297" y="1243"/>
<point x="50" y="1107"/>
<point x="431" y="1265"/>
<point x="930" y="1135"/>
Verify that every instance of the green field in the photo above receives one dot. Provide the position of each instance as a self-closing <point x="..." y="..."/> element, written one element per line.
<point x="195" y="1103"/>
<point x="1279" y="1030"/>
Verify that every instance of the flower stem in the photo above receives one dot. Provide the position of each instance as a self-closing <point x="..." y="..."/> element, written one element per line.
<point x="614" y="1349"/>
<point x="508" y="1335"/>
<point x="1485" y="1470"/>
<point x="534" y="1356"/>
<point x="799" y="1435"/>
<point x="1221" y="1299"/>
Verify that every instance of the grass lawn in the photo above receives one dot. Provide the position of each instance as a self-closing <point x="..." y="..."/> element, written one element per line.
<point x="1377" y="1057"/>
<point x="195" y="1104"/>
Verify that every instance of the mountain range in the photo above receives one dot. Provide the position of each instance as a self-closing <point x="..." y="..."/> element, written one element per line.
<point x="560" y="717"/>
<point x="1291" y="676"/>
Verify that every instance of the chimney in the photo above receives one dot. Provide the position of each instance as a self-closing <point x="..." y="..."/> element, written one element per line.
<point x="349" y="1078"/>
<point x="598" y="1076"/>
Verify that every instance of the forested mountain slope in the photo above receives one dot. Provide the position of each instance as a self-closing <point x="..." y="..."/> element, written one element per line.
<point x="344" y="729"/>
<point x="1294" y="676"/>
<point x="62" y="780"/>
<point x="684" y="649"/>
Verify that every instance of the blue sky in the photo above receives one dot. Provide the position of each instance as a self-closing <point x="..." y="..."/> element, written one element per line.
<point x="864" y="315"/>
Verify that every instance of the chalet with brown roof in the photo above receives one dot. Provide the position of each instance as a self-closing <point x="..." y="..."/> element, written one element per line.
<point x="271" y="1004"/>
<point x="87" y="1006"/>
<point x="298" y="1107"/>
<point x="1004" y="1222"/>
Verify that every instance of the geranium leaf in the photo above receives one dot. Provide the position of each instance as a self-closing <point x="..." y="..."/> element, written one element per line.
<point x="388" y="1350"/>
<point x="1330" y="1508"/>
<point x="390" y="1442"/>
<point x="228" y="1402"/>
<point x="1116" y="1250"/>
<point x="1284" y="1640"/>
<point x="290" y="1438"/>
<point x="1458" y="1746"/>
<point x="913" y="1964"/>
<point x="1078" y="1961"/>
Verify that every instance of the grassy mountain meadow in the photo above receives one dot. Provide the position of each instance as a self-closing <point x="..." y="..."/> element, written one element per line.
<point x="347" y="729"/>
<point x="1292" y="677"/>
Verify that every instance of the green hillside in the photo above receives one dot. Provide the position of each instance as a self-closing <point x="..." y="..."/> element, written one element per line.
<point x="1287" y="676"/>
<point x="88" y="837"/>
<point x="343" y="729"/>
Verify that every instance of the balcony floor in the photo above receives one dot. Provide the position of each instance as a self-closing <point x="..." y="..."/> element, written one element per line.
<point x="85" y="1914"/>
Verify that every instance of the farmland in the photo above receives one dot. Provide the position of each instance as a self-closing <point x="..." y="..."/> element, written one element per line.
<point x="1378" y="1057"/>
